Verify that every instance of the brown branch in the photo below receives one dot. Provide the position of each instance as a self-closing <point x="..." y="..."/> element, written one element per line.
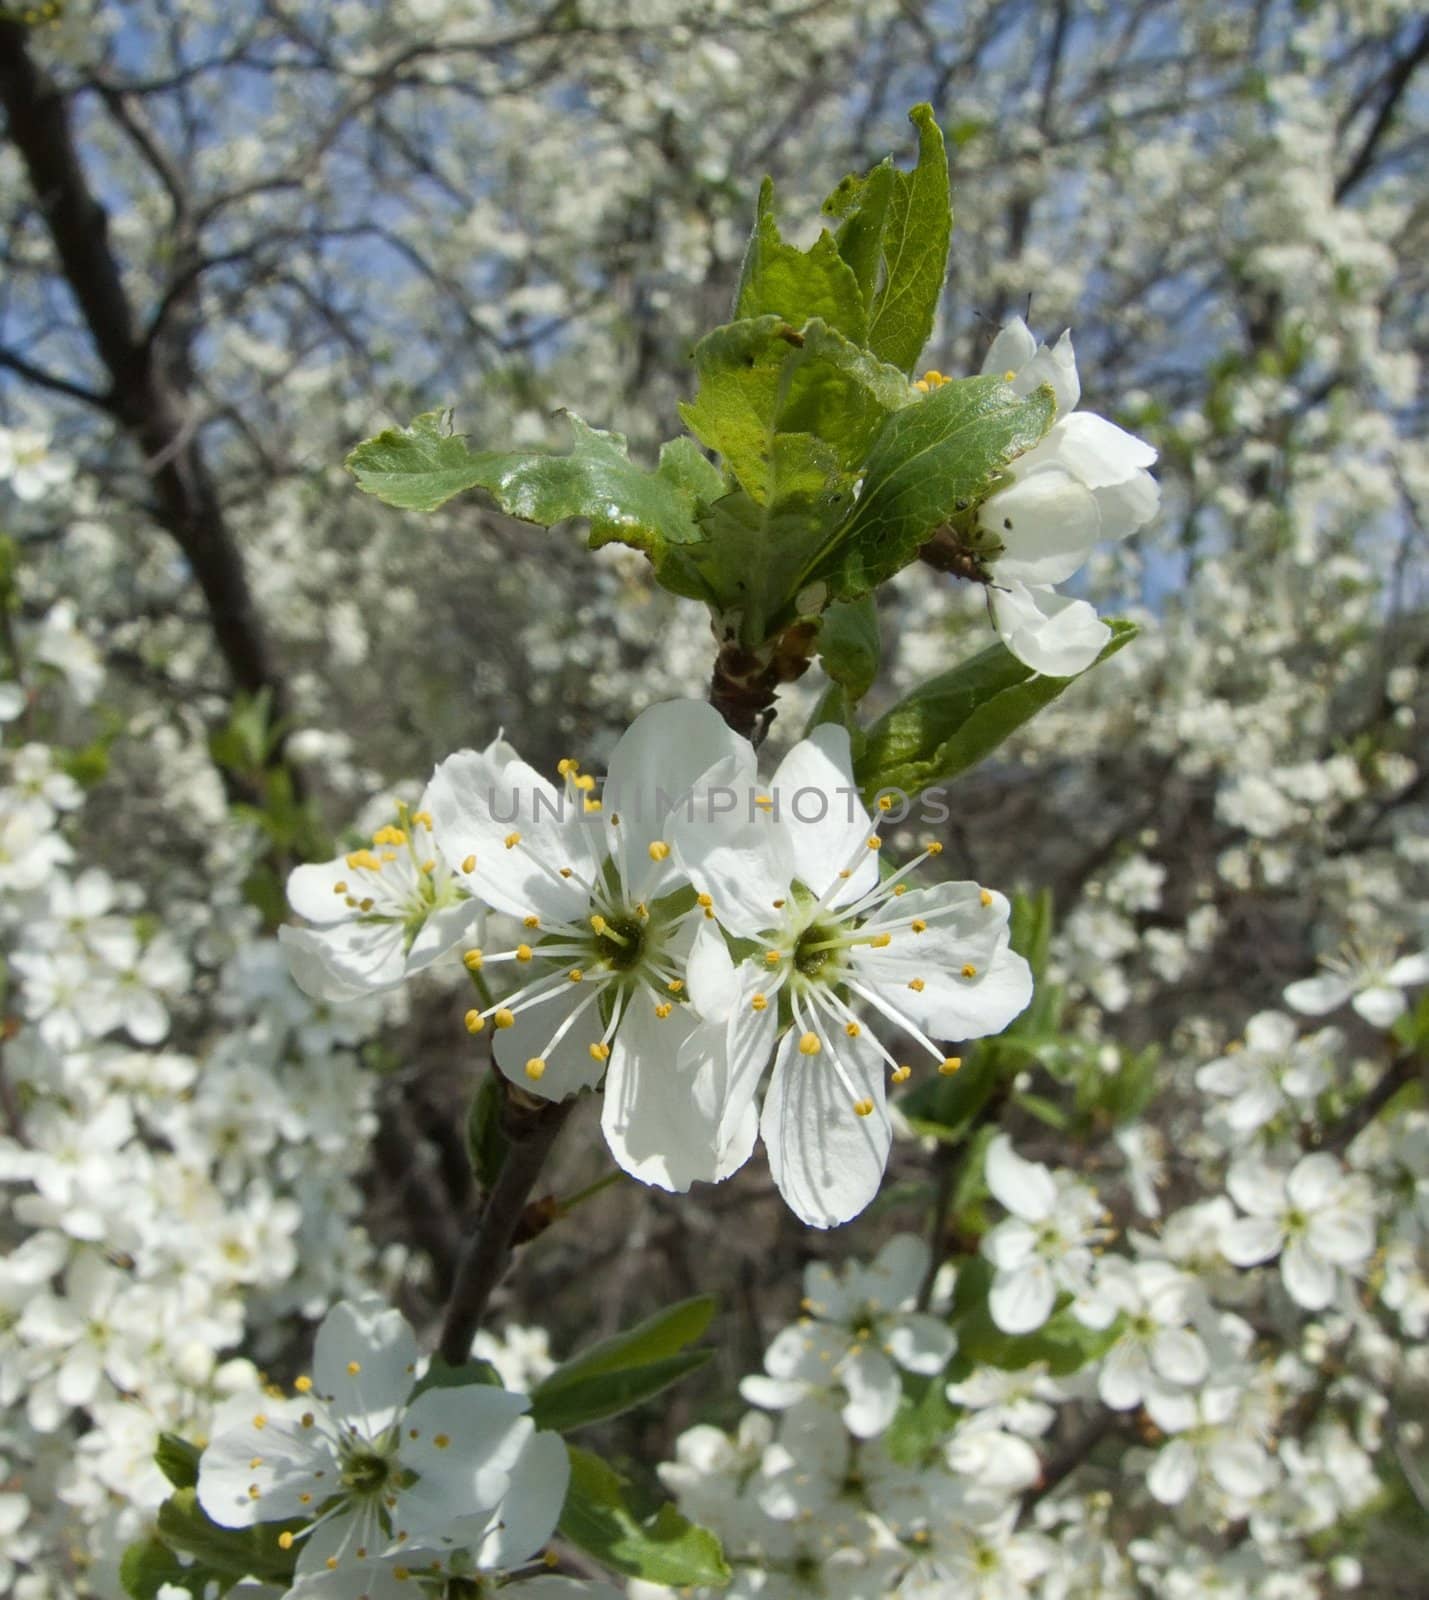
<point x="1402" y="1070"/>
<point x="531" y="1129"/>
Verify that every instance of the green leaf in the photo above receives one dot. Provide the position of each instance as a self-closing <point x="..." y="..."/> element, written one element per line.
<point x="930" y="460"/>
<point x="792" y="413"/>
<point x="486" y="1141"/>
<point x="149" y="1564"/>
<point x="440" y="1374"/>
<point x="664" y="1548"/>
<point x="421" y="467"/>
<point x="795" y="284"/>
<point x="849" y="645"/>
<point x="895" y="239"/>
<point x="178" y="1460"/>
<point x="922" y="1422"/>
<point x="664" y="1334"/>
<point x="233" y="1552"/>
<point x="960" y="717"/>
<point x="607" y="1394"/>
<point x="946" y="1107"/>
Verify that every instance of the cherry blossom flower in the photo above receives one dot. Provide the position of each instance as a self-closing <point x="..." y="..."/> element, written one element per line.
<point x="1275" y="1069"/>
<point x="1369" y="976"/>
<point x="382" y="912"/>
<point x="1317" y="1218"/>
<point x="837" y="947"/>
<point x="379" y="1472"/>
<point x="1086" y="480"/>
<point x="1044" y="1246"/>
<point x="610" y="921"/>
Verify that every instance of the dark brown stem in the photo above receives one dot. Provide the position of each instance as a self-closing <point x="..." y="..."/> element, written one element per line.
<point x="1401" y="1071"/>
<point x="1065" y="1462"/>
<point x="531" y="1131"/>
<point x="745" y="683"/>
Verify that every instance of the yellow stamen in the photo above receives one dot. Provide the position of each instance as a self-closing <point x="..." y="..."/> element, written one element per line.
<point x="599" y="923"/>
<point x="353" y="1368"/>
<point x="422" y="817"/>
<point x="390" y="835"/>
<point x="863" y="1108"/>
<point x="505" y="1018"/>
<point x="340" y="888"/>
<point x="969" y="971"/>
<point x="303" y="1385"/>
<point x="809" y="1045"/>
<point x="704" y="900"/>
<point x="881" y="941"/>
<point x="474" y="1021"/>
<point x="364" y="860"/>
<point x="567" y="767"/>
<point x="664" y="1009"/>
<point x="260" y="1422"/>
<point x="535" y="1069"/>
<point x="285" y="1540"/>
<point x="600" y="1052"/>
<point x="875" y="843"/>
<point x="473" y="960"/>
<point x="675" y="985"/>
<point x="934" y="848"/>
<point x="511" y="840"/>
<point x="885" y="802"/>
<point x="468" y="864"/>
<point x="918" y="925"/>
<point x="949" y="1065"/>
<point x="590" y="807"/>
<point x="659" y="850"/>
<point x="901" y="1074"/>
<point x="441" y="1440"/>
<point x="772" y="958"/>
<point x="852" y="1029"/>
<point x="531" y="922"/>
<point x="575" y="975"/>
<point x="916" y="985"/>
<point x="585" y="783"/>
<point x="523" y="952"/>
<point x="758" y="1003"/>
<point x="986" y="898"/>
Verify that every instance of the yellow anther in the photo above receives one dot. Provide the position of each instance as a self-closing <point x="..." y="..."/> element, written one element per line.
<point x="442" y="1440"/>
<point x="585" y="783"/>
<point x="642" y="911"/>
<point x="389" y="855"/>
<point x="567" y="767"/>
<point x="900" y="889"/>
<point x="505" y="1018"/>
<point x="285" y="1540"/>
<point x="531" y="922"/>
<point x="550" y="1558"/>
<point x="934" y="848"/>
<point x="352" y="901"/>
<point x="575" y="975"/>
<point x="764" y="801"/>
<point x="340" y="888"/>
<point x="303" y="1385"/>
<point x="809" y="1045"/>
<point x="511" y="840"/>
<point x="260" y="1422"/>
<point x="772" y="958"/>
<point x="949" y="1065"/>
<point x="676" y="985"/>
<point x="916" y="985"/>
<point x="986" y="898"/>
<point x="664" y="1009"/>
<point x="901" y="1074"/>
<point x="468" y="864"/>
<point x="429" y="865"/>
<point x="758" y="1002"/>
<point x="1008" y="376"/>
<point x="885" y="802"/>
<point x="704" y="900"/>
<point x="473" y="960"/>
<point x="779" y="904"/>
<point x="331" y="1563"/>
<point x="599" y="923"/>
<point x="255" y="1463"/>
<point x="863" y="1108"/>
<point x="852" y="1029"/>
<point x="367" y="904"/>
<point x="881" y="941"/>
<point x="845" y="872"/>
<point x="918" y="925"/>
<point x="600" y="1052"/>
<point x="401" y="1574"/>
<point x="566" y="872"/>
<point x="364" y="860"/>
<point x="875" y="843"/>
<point x="474" y="1021"/>
<point x="523" y="952"/>
<point x="390" y="835"/>
<point x="659" y="850"/>
<point x="307" y="1420"/>
<point x="353" y="1368"/>
<point x="305" y="1499"/>
<point x="590" y="807"/>
<point x="422" y="817"/>
<point x="969" y="970"/>
<point x="535" y="1069"/>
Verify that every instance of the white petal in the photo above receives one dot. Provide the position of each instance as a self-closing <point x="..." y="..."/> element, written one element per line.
<point x="463" y="1444"/>
<point x="1046" y="631"/>
<point x="345" y="962"/>
<point x="1123" y="1376"/>
<point x="1315" y="996"/>
<point x="1309" y="1280"/>
<point x="920" y="1343"/>
<point x="1256" y="1188"/>
<point x="1313" y="1180"/>
<point x="531" y="1506"/>
<point x="659" y="758"/>
<point x="477" y="804"/>
<point x="821" y="812"/>
<point x="444" y="929"/>
<point x="1380" y="1005"/>
<point x="364" y="1362"/>
<point x="1021" y="1300"/>
<point x="293" y="1461"/>
<point x="1009" y="1244"/>
<point x="1128" y="506"/>
<point x="1409" y="970"/>
<point x="1240" y="1467"/>
<point x="710" y="973"/>
<point x="873" y="1391"/>
<point x="1095" y="450"/>
<point x="738" y="856"/>
<point x="1026" y="1188"/>
<point x="826" y="1160"/>
<point x="1344" y="1236"/>
<point x="570" y="1067"/>
<point x="897" y="1272"/>
<point x="1010" y="351"/>
<point x="1173" y="1473"/>
<point x="1047" y="523"/>
<point x="1251" y="1240"/>
<point x="312" y="891"/>
<point x="1178" y="1354"/>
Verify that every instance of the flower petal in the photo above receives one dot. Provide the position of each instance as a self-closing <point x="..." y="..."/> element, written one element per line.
<point x="1026" y="1188"/>
<point x="823" y="816"/>
<point x="1046" y="522"/>
<point x="1021" y="1300"/>
<point x="570" y="1067"/>
<point x="365" y="1362"/>
<point x="1047" y="631"/>
<point x="345" y="962"/>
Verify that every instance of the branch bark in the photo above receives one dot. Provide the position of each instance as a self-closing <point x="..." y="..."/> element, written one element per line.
<point x="151" y="407"/>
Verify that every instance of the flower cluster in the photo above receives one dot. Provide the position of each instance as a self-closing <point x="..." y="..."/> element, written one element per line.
<point x="680" y="928"/>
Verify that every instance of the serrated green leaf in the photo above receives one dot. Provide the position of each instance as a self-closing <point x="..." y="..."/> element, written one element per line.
<point x="178" y="1460"/>
<point x="664" y="1548"/>
<point x="486" y="1141"/>
<point x="849" y="645"/>
<point x="959" y="718"/>
<point x="913" y="247"/>
<point x="148" y="1565"/>
<point x="862" y="203"/>
<point x="929" y="459"/>
<point x="780" y="279"/>
<point x="233" y="1552"/>
<point x="607" y="1394"/>
<point x="421" y="467"/>
<point x="666" y="1333"/>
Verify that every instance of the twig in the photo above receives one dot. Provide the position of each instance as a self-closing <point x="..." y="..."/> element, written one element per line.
<point x="1071" y="1456"/>
<point x="531" y="1132"/>
<point x="1401" y="1071"/>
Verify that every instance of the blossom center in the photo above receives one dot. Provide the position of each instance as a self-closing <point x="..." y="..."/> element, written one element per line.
<point x="815" y="948"/>
<point x="366" y="1472"/>
<point x="620" y="943"/>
